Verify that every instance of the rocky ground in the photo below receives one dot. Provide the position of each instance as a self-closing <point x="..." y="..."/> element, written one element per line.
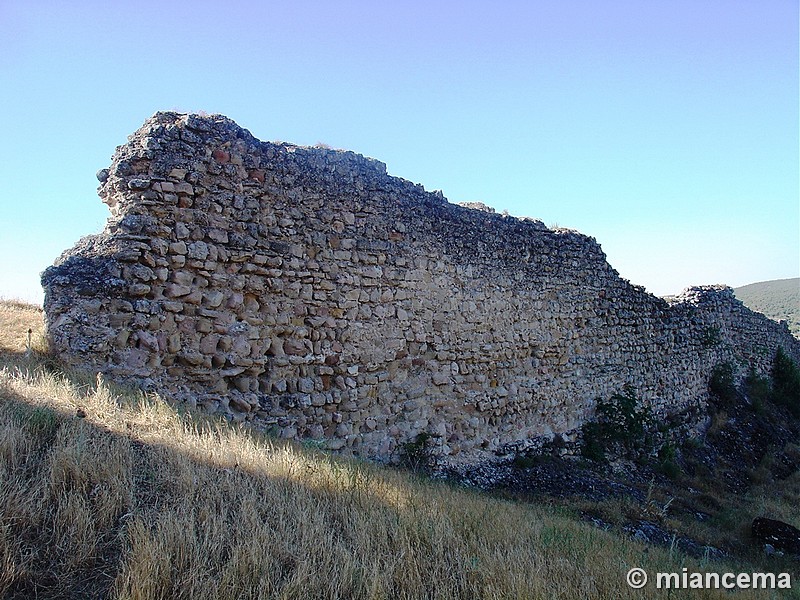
<point x="746" y="465"/>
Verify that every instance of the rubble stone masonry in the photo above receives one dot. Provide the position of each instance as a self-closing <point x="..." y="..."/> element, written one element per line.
<point x="306" y="290"/>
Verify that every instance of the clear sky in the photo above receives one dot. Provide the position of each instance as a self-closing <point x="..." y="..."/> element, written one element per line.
<point x="666" y="129"/>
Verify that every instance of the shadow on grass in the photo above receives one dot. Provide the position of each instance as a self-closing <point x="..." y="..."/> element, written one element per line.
<point x="37" y="563"/>
<point x="109" y="495"/>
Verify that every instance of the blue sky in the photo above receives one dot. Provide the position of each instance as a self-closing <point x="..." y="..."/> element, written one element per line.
<point x="666" y="129"/>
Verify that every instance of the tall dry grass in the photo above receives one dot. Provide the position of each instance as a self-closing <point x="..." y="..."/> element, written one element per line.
<point x="107" y="493"/>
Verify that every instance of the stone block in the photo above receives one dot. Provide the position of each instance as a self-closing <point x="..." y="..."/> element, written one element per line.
<point x="294" y="347"/>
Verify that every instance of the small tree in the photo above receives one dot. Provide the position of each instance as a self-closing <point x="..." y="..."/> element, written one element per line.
<point x="786" y="382"/>
<point x="758" y="389"/>
<point x="722" y="384"/>
<point x="621" y="426"/>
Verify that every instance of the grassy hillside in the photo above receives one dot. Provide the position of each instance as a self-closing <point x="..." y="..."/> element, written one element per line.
<point x="108" y="493"/>
<point x="779" y="300"/>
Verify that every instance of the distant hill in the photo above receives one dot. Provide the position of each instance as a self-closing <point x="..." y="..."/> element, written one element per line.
<point x="778" y="299"/>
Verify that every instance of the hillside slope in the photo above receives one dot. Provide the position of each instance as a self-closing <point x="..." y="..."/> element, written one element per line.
<point x="778" y="299"/>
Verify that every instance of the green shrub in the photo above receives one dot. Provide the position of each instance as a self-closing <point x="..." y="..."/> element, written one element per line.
<point x="417" y="454"/>
<point x="593" y="443"/>
<point x="667" y="463"/>
<point x="626" y="421"/>
<point x="758" y="390"/>
<point x="621" y="426"/>
<point x="721" y="385"/>
<point x="786" y="382"/>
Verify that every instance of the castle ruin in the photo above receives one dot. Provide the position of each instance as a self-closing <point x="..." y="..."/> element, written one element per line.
<point x="307" y="291"/>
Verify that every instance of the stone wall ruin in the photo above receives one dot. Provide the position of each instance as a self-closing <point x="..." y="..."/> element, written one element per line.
<point x="309" y="292"/>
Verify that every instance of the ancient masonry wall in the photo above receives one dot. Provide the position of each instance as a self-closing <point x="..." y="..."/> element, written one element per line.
<point x="308" y="291"/>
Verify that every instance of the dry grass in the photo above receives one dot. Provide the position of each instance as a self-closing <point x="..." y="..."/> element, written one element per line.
<point x="108" y="493"/>
<point x="16" y="319"/>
